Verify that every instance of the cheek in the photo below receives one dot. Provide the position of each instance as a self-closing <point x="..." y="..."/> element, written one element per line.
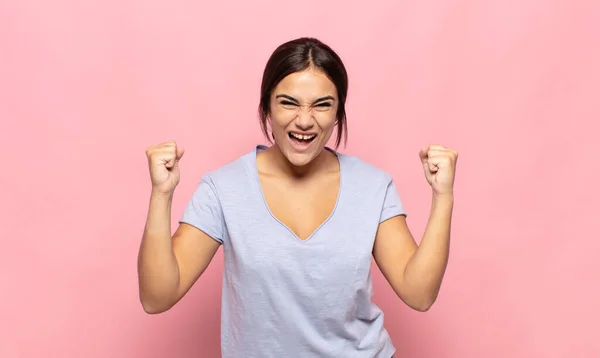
<point x="327" y="122"/>
<point x="278" y="122"/>
<point x="280" y="117"/>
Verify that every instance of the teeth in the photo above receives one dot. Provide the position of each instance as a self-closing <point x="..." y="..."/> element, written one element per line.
<point x="304" y="137"/>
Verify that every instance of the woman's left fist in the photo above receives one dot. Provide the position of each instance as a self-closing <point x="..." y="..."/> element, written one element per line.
<point x="439" y="164"/>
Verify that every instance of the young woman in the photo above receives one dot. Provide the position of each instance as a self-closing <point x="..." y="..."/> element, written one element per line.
<point x="299" y="223"/>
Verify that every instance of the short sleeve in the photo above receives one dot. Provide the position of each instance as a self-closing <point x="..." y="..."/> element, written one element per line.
<point x="392" y="205"/>
<point x="204" y="212"/>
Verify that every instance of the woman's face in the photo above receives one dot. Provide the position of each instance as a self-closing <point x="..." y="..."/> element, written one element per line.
<point x="303" y="115"/>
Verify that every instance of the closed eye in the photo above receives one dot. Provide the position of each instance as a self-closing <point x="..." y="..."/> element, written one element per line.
<point x="323" y="106"/>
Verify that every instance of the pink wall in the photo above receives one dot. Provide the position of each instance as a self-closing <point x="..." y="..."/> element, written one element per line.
<point x="512" y="85"/>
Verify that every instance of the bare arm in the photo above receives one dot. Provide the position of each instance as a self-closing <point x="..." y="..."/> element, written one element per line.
<point x="168" y="267"/>
<point x="415" y="272"/>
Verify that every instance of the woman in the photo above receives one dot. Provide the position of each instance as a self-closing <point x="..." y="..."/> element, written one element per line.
<point x="299" y="224"/>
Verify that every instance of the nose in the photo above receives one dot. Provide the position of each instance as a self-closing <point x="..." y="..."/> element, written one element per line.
<point x="305" y="121"/>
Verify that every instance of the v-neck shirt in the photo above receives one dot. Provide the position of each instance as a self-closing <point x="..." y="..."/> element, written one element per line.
<point x="268" y="209"/>
<point x="289" y="297"/>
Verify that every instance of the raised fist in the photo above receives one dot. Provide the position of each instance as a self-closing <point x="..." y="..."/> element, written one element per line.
<point x="163" y="162"/>
<point x="439" y="164"/>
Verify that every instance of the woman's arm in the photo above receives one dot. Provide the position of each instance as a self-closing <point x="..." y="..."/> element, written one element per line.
<point x="169" y="266"/>
<point x="416" y="272"/>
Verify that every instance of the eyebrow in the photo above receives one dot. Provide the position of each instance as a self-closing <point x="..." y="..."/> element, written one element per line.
<point x="321" y="99"/>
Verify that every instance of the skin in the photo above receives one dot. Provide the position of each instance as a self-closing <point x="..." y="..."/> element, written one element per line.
<point x="168" y="266"/>
<point x="416" y="272"/>
<point x="301" y="188"/>
<point x="303" y="102"/>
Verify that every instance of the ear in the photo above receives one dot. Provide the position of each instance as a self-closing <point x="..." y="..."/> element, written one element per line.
<point x="270" y="128"/>
<point x="268" y="122"/>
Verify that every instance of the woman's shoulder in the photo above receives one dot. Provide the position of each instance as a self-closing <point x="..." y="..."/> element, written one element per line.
<point x="362" y="170"/>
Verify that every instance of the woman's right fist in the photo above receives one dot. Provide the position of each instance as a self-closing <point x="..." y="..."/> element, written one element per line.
<point x="163" y="161"/>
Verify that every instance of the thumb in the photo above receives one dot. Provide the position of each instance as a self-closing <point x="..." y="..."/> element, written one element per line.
<point x="423" y="155"/>
<point x="179" y="152"/>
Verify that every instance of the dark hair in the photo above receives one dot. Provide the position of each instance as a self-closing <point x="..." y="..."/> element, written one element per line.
<point x="298" y="55"/>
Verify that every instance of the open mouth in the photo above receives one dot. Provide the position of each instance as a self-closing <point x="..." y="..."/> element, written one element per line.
<point x="302" y="138"/>
<point x="301" y="142"/>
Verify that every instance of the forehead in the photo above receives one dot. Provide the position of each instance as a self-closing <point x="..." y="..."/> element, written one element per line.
<point x="310" y="83"/>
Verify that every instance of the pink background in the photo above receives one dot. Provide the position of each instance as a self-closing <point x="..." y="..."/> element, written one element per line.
<point x="86" y="86"/>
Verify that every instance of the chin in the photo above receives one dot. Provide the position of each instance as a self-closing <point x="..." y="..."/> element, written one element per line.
<point x="301" y="153"/>
<point x="299" y="159"/>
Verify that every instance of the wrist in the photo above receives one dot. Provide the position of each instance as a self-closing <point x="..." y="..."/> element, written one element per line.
<point x="445" y="198"/>
<point x="161" y="195"/>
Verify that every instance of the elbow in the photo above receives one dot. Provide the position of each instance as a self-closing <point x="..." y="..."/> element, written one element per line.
<point x="422" y="306"/>
<point x="422" y="297"/>
<point x="153" y="309"/>
<point x="155" y="300"/>
<point x="153" y="306"/>
<point x="422" y="303"/>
